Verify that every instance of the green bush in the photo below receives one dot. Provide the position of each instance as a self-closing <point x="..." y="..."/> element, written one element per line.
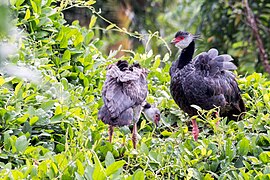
<point x="49" y="127"/>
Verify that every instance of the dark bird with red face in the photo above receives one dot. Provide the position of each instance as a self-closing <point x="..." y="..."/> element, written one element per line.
<point x="206" y="81"/>
<point x="124" y="93"/>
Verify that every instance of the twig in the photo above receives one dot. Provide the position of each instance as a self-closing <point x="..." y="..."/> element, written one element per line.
<point x="255" y="30"/>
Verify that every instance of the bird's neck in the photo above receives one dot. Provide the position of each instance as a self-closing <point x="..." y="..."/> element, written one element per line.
<point x="186" y="55"/>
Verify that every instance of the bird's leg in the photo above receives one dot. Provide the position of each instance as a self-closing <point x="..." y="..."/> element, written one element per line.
<point x="195" y="129"/>
<point x="134" y="136"/>
<point x="110" y="133"/>
<point x="216" y="114"/>
<point x="137" y="112"/>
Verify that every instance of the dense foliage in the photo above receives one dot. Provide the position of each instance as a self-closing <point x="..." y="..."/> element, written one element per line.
<point x="51" y="93"/>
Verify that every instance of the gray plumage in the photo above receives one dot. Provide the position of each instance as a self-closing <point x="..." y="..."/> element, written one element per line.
<point x="124" y="91"/>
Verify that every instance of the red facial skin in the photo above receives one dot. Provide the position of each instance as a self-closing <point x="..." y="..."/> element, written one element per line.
<point x="177" y="39"/>
<point x="157" y="119"/>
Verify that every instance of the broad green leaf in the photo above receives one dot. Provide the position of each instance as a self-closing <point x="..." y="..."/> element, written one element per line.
<point x="109" y="159"/>
<point x="138" y="175"/>
<point x="22" y="119"/>
<point x="12" y="2"/>
<point x="33" y="120"/>
<point x="16" y="174"/>
<point x="92" y="21"/>
<point x="265" y="157"/>
<point x="19" y="2"/>
<point x="208" y="177"/>
<point x="166" y="133"/>
<point x="21" y="143"/>
<point x="57" y="118"/>
<point x="144" y="149"/>
<point x="47" y="105"/>
<point x="66" y="55"/>
<point x="78" y="40"/>
<point x="114" y="167"/>
<point x="243" y="146"/>
<point x="88" y="37"/>
<point x="99" y="172"/>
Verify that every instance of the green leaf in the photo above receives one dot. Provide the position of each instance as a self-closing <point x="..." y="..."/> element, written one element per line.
<point x="144" y="149"/>
<point x="265" y="157"/>
<point x="138" y="175"/>
<point x="99" y="172"/>
<point x="114" y="167"/>
<point x="18" y="87"/>
<point x="66" y="55"/>
<point x="166" y="133"/>
<point x="21" y="143"/>
<point x="47" y="105"/>
<point x="243" y="146"/>
<point x="34" y="6"/>
<point x="27" y="14"/>
<point x="92" y="21"/>
<point x="22" y="119"/>
<point x="80" y="167"/>
<point x="78" y="40"/>
<point x="110" y="26"/>
<point x="33" y="120"/>
<point x="57" y="118"/>
<point x="19" y="2"/>
<point x="88" y="37"/>
<point x="12" y="2"/>
<point x="109" y="159"/>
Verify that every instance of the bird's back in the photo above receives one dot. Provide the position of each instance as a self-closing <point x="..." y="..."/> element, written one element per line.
<point x="124" y="88"/>
<point x="208" y="82"/>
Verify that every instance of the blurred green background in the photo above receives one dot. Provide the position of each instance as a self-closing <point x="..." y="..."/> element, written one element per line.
<point x="222" y="24"/>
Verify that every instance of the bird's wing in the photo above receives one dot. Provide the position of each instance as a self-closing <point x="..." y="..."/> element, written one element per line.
<point x="210" y="91"/>
<point x="124" y="89"/>
<point x="210" y="63"/>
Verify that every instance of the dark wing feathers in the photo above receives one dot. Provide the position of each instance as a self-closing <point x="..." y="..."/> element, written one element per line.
<point x="123" y="89"/>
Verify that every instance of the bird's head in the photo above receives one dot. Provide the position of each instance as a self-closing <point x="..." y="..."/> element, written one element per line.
<point x="151" y="113"/>
<point x="182" y="39"/>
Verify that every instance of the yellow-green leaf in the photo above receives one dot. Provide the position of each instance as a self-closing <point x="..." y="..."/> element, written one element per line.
<point x="2" y="80"/>
<point x="27" y="14"/>
<point x="80" y="167"/>
<point x="92" y="22"/>
<point x="110" y="26"/>
<point x="33" y="120"/>
<point x="17" y="88"/>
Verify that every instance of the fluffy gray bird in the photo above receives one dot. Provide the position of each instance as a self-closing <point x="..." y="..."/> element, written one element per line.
<point x="124" y="93"/>
<point x="205" y="81"/>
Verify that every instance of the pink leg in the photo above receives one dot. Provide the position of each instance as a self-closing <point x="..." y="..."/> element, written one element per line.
<point x="195" y="130"/>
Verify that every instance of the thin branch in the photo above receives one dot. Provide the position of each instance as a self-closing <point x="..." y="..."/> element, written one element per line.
<point x="255" y="31"/>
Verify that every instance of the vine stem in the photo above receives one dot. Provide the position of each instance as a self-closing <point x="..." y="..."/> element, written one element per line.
<point x="255" y="31"/>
